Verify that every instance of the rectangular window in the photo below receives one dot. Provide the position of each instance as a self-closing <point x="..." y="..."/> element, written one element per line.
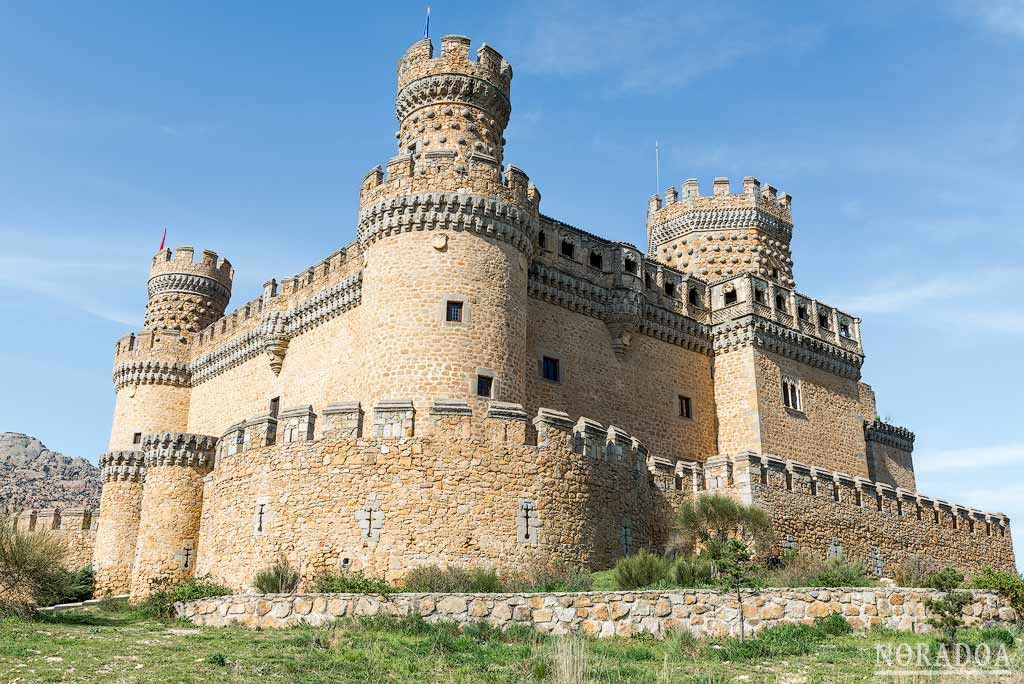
<point x="568" y="249"/>
<point x="550" y="369"/>
<point x="596" y="260"/>
<point x="670" y="289"/>
<point x="823" y="320"/>
<point x="275" y="406"/>
<point x="137" y="438"/>
<point x="844" y="329"/>
<point x="791" y="394"/>
<point x="453" y="312"/>
<point x="801" y="312"/>
<point x="685" y="407"/>
<point x="759" y="295"/>
<point x="730" y="297"/>
<point x="484" y="385"/>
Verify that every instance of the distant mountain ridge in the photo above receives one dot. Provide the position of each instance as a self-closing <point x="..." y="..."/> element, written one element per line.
<point x="32" y="476"/>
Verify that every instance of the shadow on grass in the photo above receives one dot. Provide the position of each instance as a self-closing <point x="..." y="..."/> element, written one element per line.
<point x="81" y="618"/>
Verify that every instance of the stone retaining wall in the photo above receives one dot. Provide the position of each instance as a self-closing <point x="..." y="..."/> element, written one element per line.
<point x="601" y="614"/>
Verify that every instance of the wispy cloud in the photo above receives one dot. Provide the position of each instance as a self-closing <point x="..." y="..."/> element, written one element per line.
<point x="190" y="130"/>
<point x="999" y="16"/>
<point x="972" y="458"/>
<point x="649" y="48"/>
<point x="908" y="292"/>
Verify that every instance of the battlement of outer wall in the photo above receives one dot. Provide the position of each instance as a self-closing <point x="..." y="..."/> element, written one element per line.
<point x="76" y="527"/>
<point x="839" y="514"/>
<point x="746" y="294"/>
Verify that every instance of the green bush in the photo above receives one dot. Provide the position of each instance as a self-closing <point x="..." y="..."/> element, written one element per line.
<point x="351" y="583"/>
<point x="79" y="585"/>
<point x="1009" y="584"/>
<point x="833" y="625"/>
<point x="641" y="569"/>
<point x="31" y="573"/>
<point x="914" y="571"/>
<point x="160" y="603"/>
<point x="279" y="578"/>
<point x="435" y="579"/>
<point x="715" y="519"/>
<point x="778" y="641"/>
<point x="693" y="572"/>
<point x="484" y="581"/>
<point x="549" y="579"/>
<point x="840" y="572"/>
<point x="947" y="579"/>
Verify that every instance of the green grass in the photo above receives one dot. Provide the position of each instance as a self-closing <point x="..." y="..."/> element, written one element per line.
<point x="123" y="645"/>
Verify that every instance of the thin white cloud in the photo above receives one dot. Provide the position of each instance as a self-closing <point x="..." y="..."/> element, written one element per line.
<point x="907" y="292"/>
<point x="650" y="47"/>
<point x="999" y="16"/>
<point x="979" y="459"/>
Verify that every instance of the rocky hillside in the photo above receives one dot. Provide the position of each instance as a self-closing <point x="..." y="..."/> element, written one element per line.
<point x="32" y="476"/>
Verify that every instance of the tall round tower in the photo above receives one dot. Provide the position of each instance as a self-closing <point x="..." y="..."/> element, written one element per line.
<point x="118" y="528"/>
<point x="446" y="236"/>
<point x="151" y="373"/>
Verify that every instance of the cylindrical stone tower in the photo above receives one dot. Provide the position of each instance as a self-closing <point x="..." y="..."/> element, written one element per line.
<point x="186" y="296"/>
<point x="118" y="527"/>
<point x="172" y="502"/>
<point x="446" y="236"/>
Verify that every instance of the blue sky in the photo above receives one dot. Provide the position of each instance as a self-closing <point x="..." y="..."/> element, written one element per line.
<point x="897" y="126"/>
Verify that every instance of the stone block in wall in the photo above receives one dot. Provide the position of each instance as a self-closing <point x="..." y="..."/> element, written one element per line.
<point x="799" y="477"/>
<point x="450" y="408"/>
<point x="259" y="432"/>
<point x="393" y="418"/>
<point x="344" y="419"/>
<point x="232" y="441"/>
<point x="504" y="410"/>
<point x="548" y="423"/>
<point x="76" y="518"/>
<point x="296" y="424"/>
<point x="48" y="519"/>
<point x="589" y="438"/>
<point x="718" y="472"/>
<point x="618" y="443"/>
<point x="689" y="476"/>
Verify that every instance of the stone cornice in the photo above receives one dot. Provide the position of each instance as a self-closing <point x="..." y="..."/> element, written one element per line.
<point x="179" y="449"/>
<point x="756" y="331"/>
<point x="151" y="372"/>
<point x="453" y="87"/>
<point x="724" y="218"/>
<point x="447" y="211"/>
<point x="123" y="466"/>
<point x="889" y="435"/>
<point x="189" y="283"/>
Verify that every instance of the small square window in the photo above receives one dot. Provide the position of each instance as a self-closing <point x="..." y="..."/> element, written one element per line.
<point x="693" y="297"/>
<point x="685" y="407"/>
<point x="823" y="320"/>
<point x="137" y="438"/>
<point x="844" y="329"/>
<point x="759" y="295"/>
<point x="801" y="312"/>
<point x="630" y="266"/>
<point x="730" y="297"/>
<point x="550" y="369"/>
<point x="596" y="260"/>
<point x="670" y="289"/>
<point x="453" y="312"/>
<point x="568" y="249"/>
<point x="484" y="385"/>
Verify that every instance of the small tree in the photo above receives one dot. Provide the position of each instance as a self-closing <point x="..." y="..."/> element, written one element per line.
<point x="713" y="519"/>
<point x="735" y="572"/>
<point x="949" y="609"/>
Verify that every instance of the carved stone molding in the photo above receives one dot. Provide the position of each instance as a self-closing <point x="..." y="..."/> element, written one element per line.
<point x="179" y="449"/>
<point x="889" y="435"/>
<point x="460" y="88"/>
<point x="189" y="283"/>
<point x="141" y="372"/>
<point x="122" y="466"/>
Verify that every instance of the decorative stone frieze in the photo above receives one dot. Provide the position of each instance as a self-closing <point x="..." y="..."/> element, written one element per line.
<point x="179" y="449"/>
<point x="144" y="372"/>
<point x="889" y="435"/>
<point x="122" y="465"/>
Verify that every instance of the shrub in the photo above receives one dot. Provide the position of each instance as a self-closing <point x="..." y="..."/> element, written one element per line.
<point x="30" y="569"/>
<point x="914" y="571"/>
<point x="640" y="570"/>
<point x="946" y="579"/>
<point x="351" y="583"/>
<point x="950" y="608"/>
<point x="714" y="519"/>
<point x="840" y="572"/>
<point x="1009" y="584"/>
<point x="484" y="581"/>
<point x="160" y="603"/>
<point x="279" y="578"/>
<point x="797" y="569"/>
<point x="435" y="579"/>
<point x="833" y="625"/>
<point x="549" y="578"/>
<point x="773" y="642"/>
<point x="993" y="636"/>
<point x="693" y="572"/>
<point x="78" y="585"/>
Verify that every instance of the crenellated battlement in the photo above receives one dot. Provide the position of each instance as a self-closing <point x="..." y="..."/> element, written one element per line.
<point x="889" y="435"/>
<point x="122" y="466"/>
<point x="419" y="61"/>
<point x="178" y="449"/>
<point x="690" y="231"/>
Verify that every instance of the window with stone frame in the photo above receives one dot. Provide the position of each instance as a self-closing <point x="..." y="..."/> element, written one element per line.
<point x="844" y="329"/>
<point x="792" y="397"/>
<point x="759" y="295"/>
<point x="551" y="369"/>
<point x="484" y="385"/>
<point x="731" y="297"/>
<point x="693" y="297"/>
<point x="780" y="302"/>
<point x="137" y="438"/>
<point x="568" y="249"/>
<point x="453" y="311"/>
<point x="626" y="537"/>
<point x="670" y="289"/>
<point x="596" y="260"/>
<point x="275" y="407"/>
<point x="685" y="407"/>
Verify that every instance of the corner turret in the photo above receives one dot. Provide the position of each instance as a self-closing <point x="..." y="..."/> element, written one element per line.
<point x="184" y="295"/>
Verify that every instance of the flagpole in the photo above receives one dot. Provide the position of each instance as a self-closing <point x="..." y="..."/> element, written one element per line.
<point x="426" y="26"/>
<point x="657" y="168"/>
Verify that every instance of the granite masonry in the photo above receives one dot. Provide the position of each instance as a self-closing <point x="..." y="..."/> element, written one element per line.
<point x="470" y="381"/>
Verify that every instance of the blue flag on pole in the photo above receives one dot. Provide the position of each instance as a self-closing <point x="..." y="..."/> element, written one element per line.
<point x="426" y="27"/>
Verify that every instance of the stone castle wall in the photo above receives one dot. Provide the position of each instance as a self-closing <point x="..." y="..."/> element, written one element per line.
<point x="831" y="514"/>
<point x="473" y="490"/>
<point x="604" y="614"/>
<point x="75" y="527"/>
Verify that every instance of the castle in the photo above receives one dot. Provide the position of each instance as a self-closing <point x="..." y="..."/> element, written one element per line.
<point x="471" y="381"/>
